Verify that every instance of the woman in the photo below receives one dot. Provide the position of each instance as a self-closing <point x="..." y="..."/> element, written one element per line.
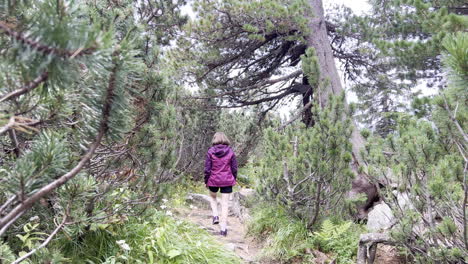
<point x="220" y="174"/>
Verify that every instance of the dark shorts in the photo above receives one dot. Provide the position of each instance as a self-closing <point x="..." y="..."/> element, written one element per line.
<point x="227" y="189"/>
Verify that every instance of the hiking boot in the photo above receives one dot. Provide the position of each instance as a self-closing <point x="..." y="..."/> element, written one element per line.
<point x="223" y="232"/>
<point x="215" y="220"/>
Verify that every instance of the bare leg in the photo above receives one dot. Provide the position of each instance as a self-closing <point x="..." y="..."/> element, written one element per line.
<point x="214" y="203"/>
<point x="224" y="210"/>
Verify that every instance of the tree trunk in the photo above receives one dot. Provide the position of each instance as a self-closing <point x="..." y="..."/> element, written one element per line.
<point x="318" y="39"/>
<point x="307" y="117"/>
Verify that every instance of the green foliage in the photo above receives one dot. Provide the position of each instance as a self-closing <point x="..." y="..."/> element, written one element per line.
<point x="285" y="237"/>
<point x="84" y="55"/>
<point x="307" y="169"/>
<point x="310" y="66"/>
<point x="30" y="237"/>
<point x="153" y="238"/>
<point x="456" y="46"/>
<point x="340" y="239"/>
<point x="6" y="255"/>
<point x="47" y="159"/>
<point x="426" y="158"/>
<point x="401" y="43"/>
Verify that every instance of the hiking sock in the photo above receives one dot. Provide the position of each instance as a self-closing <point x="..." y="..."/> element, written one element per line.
<point x="224" y="210"/>
<point x="223" y="226"/>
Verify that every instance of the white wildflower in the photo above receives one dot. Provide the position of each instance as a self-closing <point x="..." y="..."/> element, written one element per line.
<point x="163" y="206"/>
<point x="165" y="200"/>
<point x="34" y="218"/>
<point x="191" y="206"/>
<point x="123" y="245"/>
<point x="169" y="213"/>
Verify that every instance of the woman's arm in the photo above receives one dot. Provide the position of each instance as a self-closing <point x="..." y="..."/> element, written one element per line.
<point x="234" y="166"/>
<point x="207" y="167"/>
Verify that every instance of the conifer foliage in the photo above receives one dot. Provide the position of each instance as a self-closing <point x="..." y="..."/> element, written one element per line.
<point x="399" y="43"/>
<point x="428" y="169"/>
<point x="87" y="116"/>
<point x="307" y="169"/>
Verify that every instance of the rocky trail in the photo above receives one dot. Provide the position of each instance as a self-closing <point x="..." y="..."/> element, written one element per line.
<point x="237" y="239"/>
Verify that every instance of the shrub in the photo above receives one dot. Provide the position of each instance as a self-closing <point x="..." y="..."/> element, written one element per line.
<point x="307" y="170"/>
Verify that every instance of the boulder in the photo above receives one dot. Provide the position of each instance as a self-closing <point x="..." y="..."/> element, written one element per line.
<point x="380" y="218"/>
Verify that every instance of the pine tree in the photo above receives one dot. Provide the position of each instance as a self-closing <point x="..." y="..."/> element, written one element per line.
<point x="401" y="44"/>
<point x="429" y="167"/>
<point x="88" y="115"/>
<point x="306" y="169"/>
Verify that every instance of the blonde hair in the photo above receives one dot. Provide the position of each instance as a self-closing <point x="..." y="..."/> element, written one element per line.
<point x="220" y="138"/>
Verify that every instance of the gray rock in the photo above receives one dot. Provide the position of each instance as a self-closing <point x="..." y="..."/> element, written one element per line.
<point x="380" y="218"/>
<point x="403" y="200"/>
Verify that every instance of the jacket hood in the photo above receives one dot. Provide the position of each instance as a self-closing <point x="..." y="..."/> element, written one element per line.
<point x="220" y="150"/>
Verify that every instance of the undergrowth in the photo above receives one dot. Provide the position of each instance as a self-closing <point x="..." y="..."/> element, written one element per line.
<point x="288" y="240"/>
<point x="156" y="239"/>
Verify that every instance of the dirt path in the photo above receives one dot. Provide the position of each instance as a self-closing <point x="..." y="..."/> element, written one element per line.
<point x="237" y="240"/>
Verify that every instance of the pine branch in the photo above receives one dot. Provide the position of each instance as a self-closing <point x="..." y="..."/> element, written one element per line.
<point x="5" y="227"/>
<point x="19" y="123"/>
<point x="43" y="47"/>
<point x="452" y="117"/>
<point x="103" y="128"/>
<point x="27" y="88"/>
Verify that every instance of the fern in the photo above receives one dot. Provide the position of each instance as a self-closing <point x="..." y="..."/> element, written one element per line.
<point x="331" y="231"/>
<point x="340" y="238"/>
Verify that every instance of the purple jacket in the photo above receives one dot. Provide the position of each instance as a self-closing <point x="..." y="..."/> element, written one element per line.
<point x="220" y="166"/>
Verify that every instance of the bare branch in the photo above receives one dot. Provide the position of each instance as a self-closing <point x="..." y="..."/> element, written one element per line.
<point x="19" y="123"/>
<point x="5" y="227"/>
<point x="27" y="88"/>
<point x="7" y="203"/>
<point x="368" y="241"/>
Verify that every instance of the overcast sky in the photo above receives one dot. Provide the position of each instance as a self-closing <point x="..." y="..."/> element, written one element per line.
<point x="358" y="6"/>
